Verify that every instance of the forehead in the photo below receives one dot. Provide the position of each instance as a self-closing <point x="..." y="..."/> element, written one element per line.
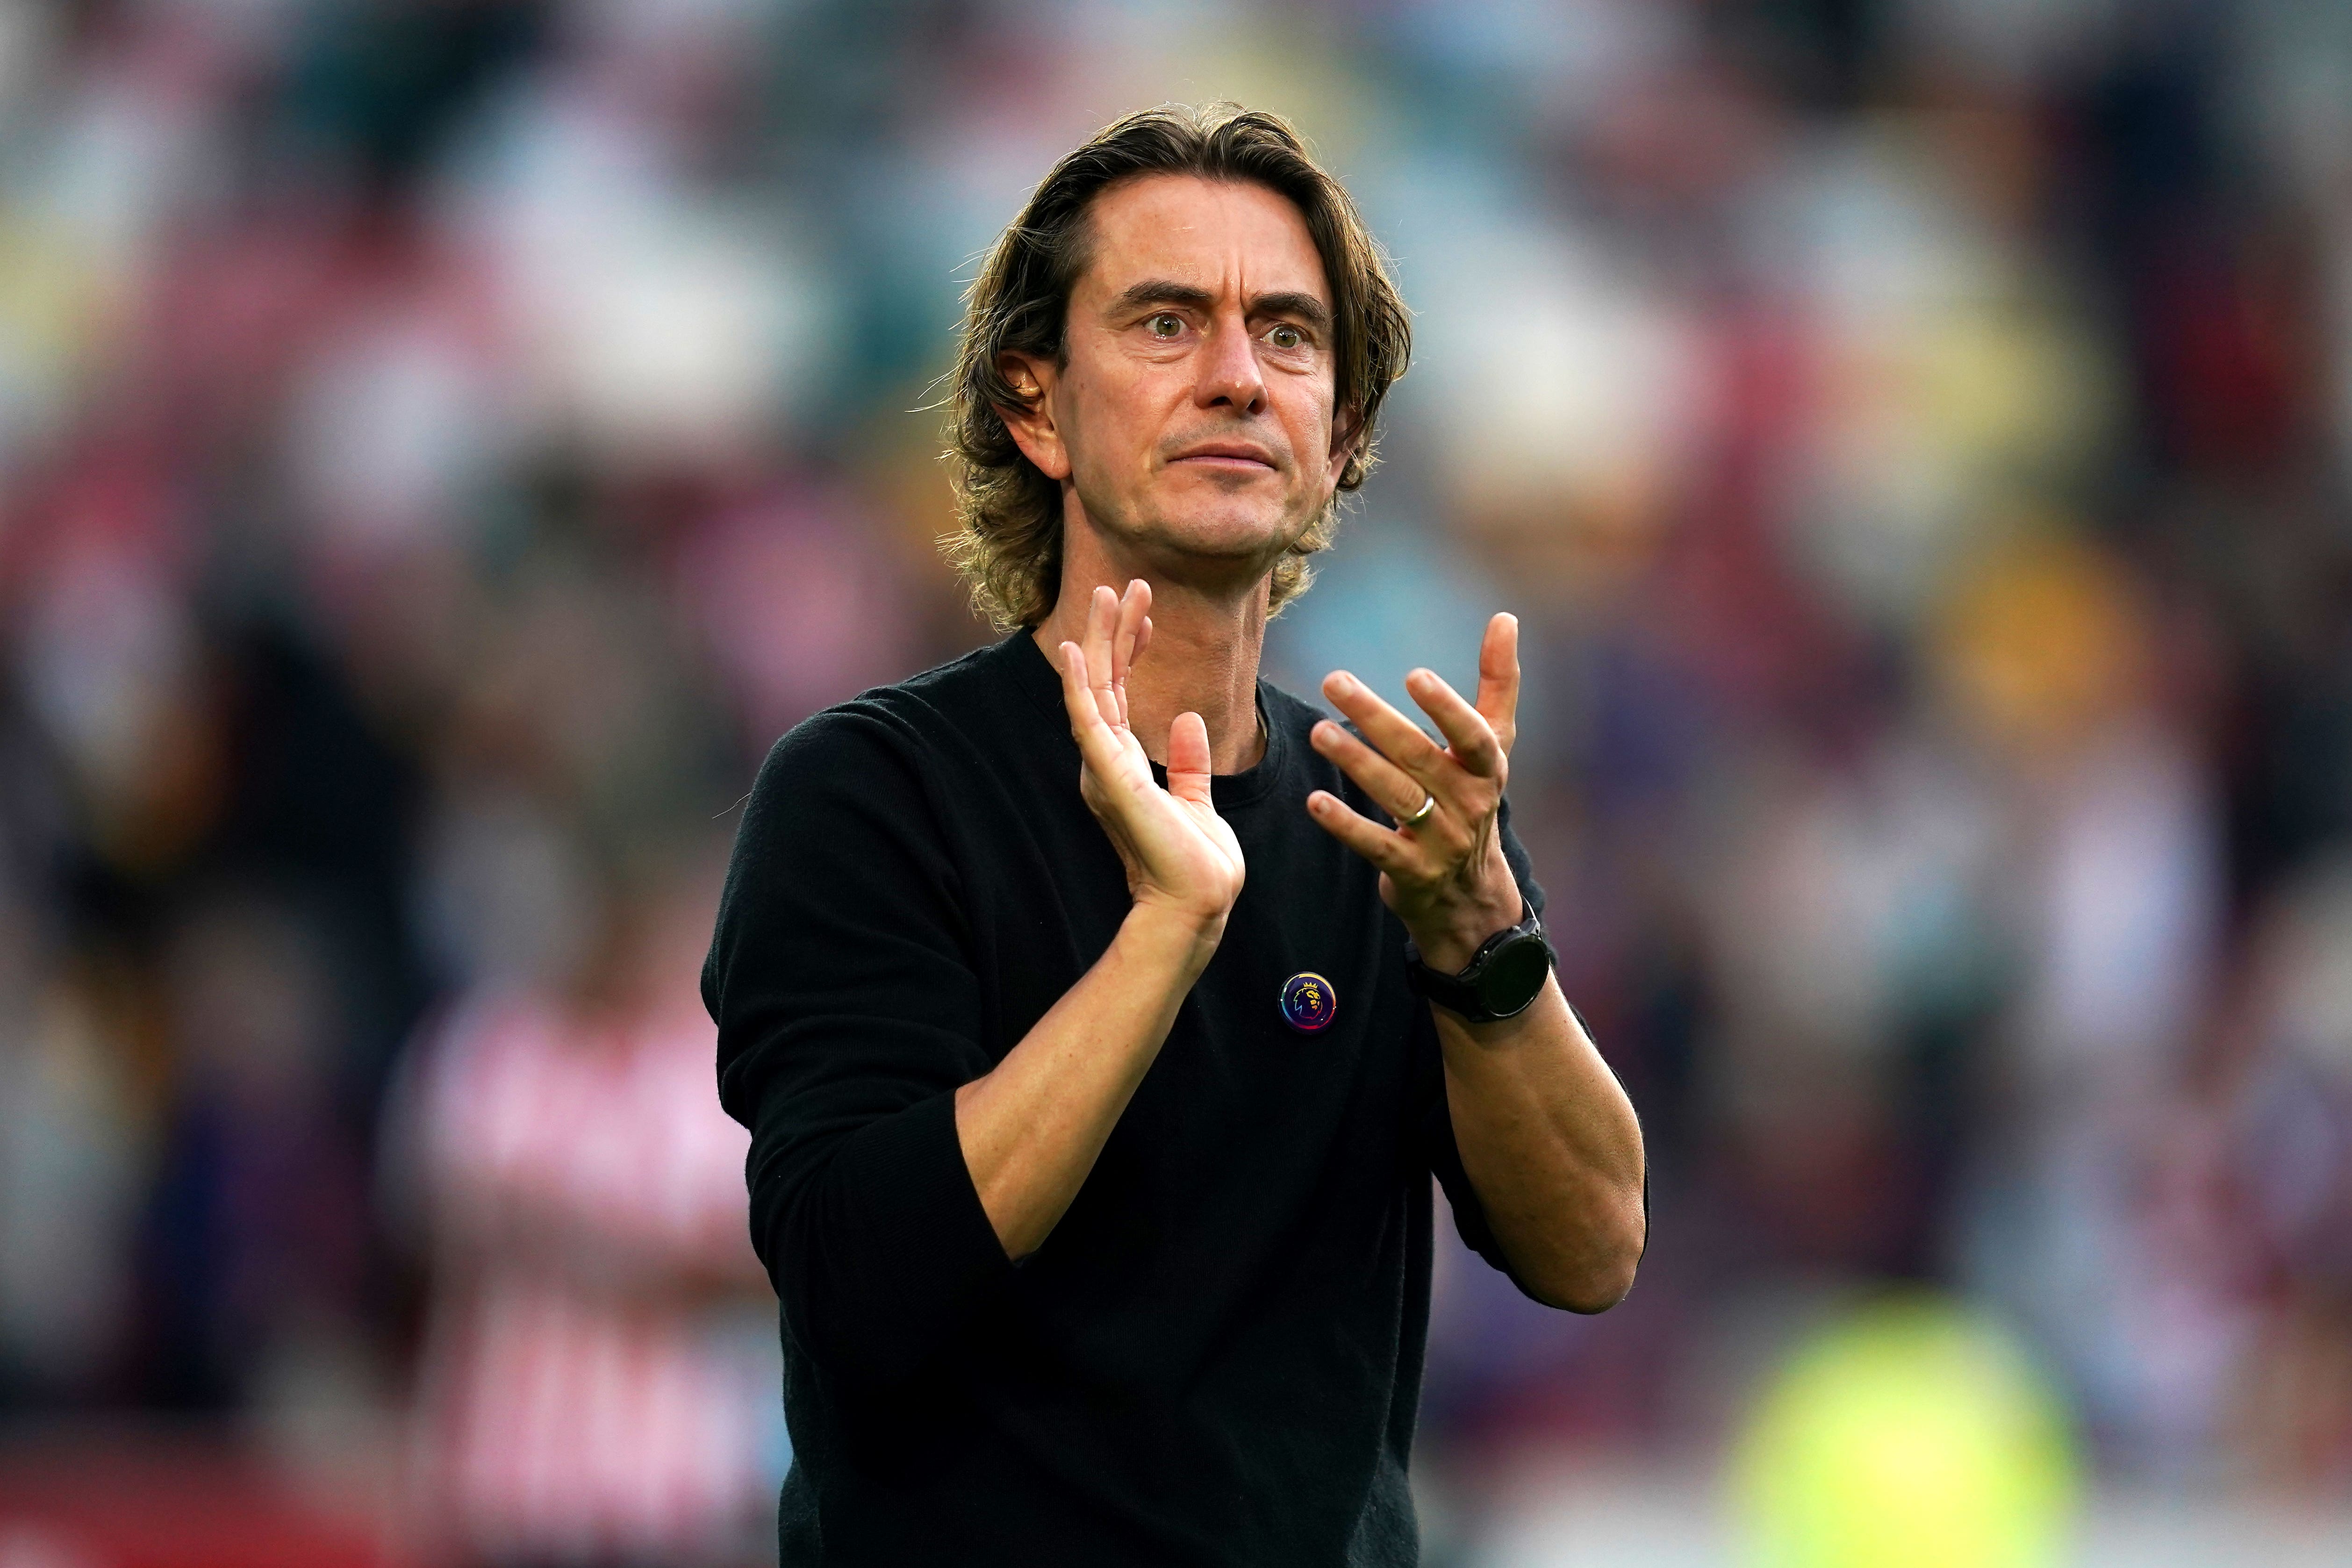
<point x="1221" y="235"/>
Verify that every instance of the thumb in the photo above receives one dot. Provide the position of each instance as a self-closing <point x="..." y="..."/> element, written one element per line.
<point x="1188" y="758"/>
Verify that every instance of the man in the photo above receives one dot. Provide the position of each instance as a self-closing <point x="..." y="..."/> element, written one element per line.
<point x="1069" y="989"/>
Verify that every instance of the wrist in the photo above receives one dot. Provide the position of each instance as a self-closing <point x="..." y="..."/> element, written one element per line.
<point x="1501" y="981"/>
<point x="1164" y="934"/>
<point x="1448" y="940"/>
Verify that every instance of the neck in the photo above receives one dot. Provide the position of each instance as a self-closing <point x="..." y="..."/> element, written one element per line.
<point x="1203" y="656"/>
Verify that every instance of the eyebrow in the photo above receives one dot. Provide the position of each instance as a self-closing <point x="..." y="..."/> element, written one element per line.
<point x="1161" y="291"/>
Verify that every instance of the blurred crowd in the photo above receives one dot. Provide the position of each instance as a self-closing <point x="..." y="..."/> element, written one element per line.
<point x="443" y="442"/>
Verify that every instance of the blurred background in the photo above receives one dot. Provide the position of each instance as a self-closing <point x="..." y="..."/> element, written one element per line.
<point x="443" y="442"/>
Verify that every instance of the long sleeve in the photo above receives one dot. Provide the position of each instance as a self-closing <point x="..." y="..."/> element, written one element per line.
<point x="848" y="1014"/>
<point x="1445" y="1154"/>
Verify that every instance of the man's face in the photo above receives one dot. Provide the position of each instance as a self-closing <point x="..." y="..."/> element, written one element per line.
<point x="1194" y="410"/>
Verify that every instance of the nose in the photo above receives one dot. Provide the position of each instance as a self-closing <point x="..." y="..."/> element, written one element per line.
<point x="1230" y="375"/>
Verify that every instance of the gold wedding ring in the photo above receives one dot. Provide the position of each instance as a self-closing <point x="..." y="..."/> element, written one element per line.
<point x="1428" y="804"/>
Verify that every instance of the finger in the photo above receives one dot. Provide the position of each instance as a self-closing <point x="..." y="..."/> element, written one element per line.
<point x="1398" y="792"/>
<point x="1095" y="743"/>
<point x="1499" y="678"/>
<point x="1188" y="759"/>
<point x="1467" y="734"/>
<point x="1377" y="844"/>
<point x="1102" y="617"/>
<point x="1143" y="641"/>
<point x="1396" y="737"/>
<point x="1131" y="606"/>
<point x="1077" y="696"/>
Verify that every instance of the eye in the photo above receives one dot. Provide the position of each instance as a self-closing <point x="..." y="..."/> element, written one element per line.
<point x="1166" y="324"/>
<point x="1287" y="337"/>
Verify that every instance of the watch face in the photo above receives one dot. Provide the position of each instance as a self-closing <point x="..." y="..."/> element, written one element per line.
<point x="1514" y="973"/>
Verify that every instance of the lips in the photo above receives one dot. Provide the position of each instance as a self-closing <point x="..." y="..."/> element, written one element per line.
<point x="1226" y="452"/>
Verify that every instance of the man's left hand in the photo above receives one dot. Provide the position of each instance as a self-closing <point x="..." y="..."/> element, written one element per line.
<point x="1443" y="874"/>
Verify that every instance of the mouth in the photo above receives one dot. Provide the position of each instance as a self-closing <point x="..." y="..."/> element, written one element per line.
<point x="1238" y="456"/>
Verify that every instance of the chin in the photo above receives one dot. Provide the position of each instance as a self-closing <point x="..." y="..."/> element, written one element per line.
<point x="1226" y="528"/>
<point x="1229" y="538"/>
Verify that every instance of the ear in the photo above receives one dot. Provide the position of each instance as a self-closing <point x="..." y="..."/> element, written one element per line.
<point x="1031" y="423"/>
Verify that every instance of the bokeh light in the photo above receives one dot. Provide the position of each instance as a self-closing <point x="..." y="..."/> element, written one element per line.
<point x="1907" y="1434"/>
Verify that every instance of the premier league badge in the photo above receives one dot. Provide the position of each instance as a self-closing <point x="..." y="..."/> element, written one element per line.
<point x="1308" y="1003"/>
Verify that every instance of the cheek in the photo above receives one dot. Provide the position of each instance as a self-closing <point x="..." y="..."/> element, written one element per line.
<point x="1312" y="431"/>
<point x="1086" y="424"/>
<point x="1112" y="424"/>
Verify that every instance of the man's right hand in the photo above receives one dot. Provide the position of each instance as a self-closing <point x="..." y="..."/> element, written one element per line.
<point x="1031" y="1126"/>
<point x="1180" y="857"/>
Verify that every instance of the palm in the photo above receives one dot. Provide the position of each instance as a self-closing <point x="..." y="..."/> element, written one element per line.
<point x="1172" y="845"/>
<point x="1442" y="865"/>
<point x="1176" y="848"/>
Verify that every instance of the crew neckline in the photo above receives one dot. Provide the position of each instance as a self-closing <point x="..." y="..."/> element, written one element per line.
<point x="1036" y="674"/>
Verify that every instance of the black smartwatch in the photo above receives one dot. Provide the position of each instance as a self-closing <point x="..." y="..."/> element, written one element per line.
<point x="1502" y="980"/>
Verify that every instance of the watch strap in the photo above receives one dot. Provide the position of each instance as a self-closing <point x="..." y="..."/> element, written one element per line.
<point x="1463" y="993"/>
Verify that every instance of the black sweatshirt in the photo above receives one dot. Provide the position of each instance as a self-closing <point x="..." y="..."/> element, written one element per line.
<point x="1216" y="1355"/>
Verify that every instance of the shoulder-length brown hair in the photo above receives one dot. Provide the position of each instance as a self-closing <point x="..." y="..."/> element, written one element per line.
<point x="1008" y="545"/>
